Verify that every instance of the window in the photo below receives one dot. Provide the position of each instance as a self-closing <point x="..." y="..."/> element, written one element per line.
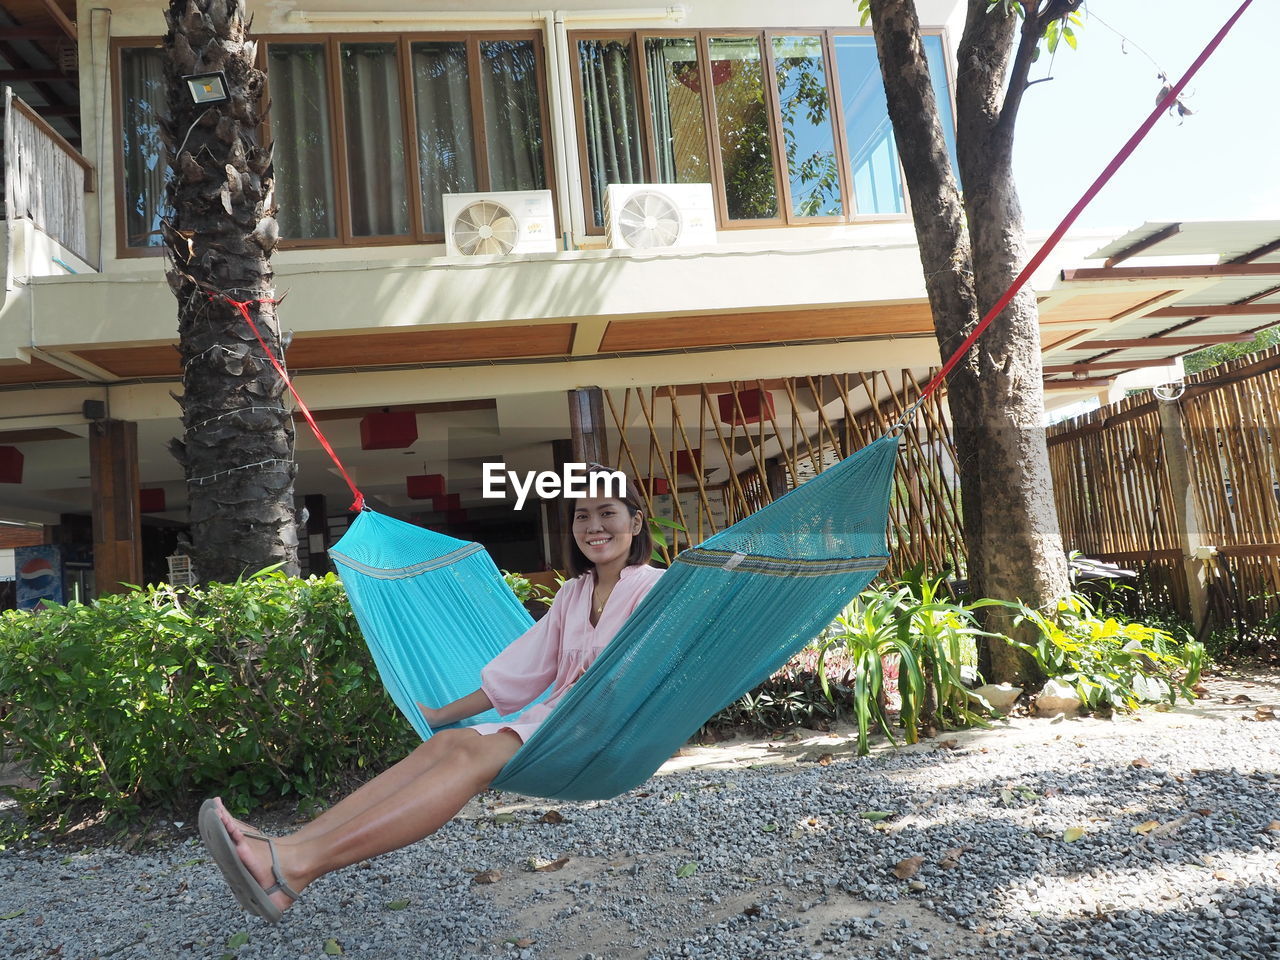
<point x="788" y="127"/>
<point x="415" y="118"/>
<point x="872" y="152"/>
<point x="368" y="132"/>
<point x="142" y="155"/>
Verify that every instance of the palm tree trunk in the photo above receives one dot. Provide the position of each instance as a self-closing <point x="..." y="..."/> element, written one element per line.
<point x="237" y="447"/>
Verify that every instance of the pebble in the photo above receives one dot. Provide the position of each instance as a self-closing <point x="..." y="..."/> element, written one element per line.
<point x="823" y="876"/>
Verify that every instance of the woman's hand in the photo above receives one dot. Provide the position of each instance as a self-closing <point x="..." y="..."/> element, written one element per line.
<point x="431" y="715"/>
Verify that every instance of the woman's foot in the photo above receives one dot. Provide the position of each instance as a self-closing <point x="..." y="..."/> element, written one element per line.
<point x="255" y="852"/>
<point x="226" y="817"/>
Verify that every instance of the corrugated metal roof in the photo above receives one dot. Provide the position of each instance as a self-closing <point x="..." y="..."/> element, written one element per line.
<point x="1227" y="239"/>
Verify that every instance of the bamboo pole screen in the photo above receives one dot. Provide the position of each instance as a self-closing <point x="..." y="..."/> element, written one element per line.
<point x="670" y="438"/>
<point x="1114" y="498"/>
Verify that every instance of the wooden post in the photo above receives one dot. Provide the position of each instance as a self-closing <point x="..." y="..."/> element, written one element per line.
<point x="1185" y="517"/>
<point x="558" y="519"/>
<point x="318" y="562"/>
<point x="587" y="426"/>
<point x="117" y="519"/>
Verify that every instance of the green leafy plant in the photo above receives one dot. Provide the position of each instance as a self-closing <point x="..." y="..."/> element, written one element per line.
<point x="658" y="527"/>
<point x="254" y="689"/>
<point x="527" y="591"/>
<point x="932" y="639"/>
<point x="1108" y="661"/>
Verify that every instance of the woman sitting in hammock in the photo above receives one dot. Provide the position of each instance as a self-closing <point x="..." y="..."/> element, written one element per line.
<point x="610" y="558"/>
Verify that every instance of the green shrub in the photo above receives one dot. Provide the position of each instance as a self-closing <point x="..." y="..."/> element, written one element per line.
<point x="1110" y="662"/>
<point x="931" y="638"/>
<point x="252" y="689"/>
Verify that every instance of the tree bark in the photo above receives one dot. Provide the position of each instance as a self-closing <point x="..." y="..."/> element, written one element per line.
<point x="995" y="394"/>
<point x="237" y="447"/>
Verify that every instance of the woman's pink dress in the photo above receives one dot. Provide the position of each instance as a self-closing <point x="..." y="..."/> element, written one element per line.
<point x="556" y="650"/>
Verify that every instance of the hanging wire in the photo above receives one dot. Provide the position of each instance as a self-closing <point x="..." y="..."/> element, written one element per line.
<point x="247" y="466"/>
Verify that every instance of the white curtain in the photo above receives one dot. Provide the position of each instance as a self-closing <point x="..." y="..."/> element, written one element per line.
<point x="301" y="133"/>
<point x="446" y="144"/>
<point x="612" y="120"/>
<point x="376" y="178"/>
<point x="512" y="115"/>
<point x="142" y="100"/>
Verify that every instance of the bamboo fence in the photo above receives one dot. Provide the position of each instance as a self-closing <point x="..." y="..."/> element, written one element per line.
<point x="1116" y="500"/>
<point x="659" y="434"/>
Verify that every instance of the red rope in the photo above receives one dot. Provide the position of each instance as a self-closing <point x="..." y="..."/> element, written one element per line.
<point x="243" y="306"/>
<point x="1169" y="100"/>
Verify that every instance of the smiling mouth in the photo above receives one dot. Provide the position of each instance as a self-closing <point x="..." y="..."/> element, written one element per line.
<point x="599" y="543"/>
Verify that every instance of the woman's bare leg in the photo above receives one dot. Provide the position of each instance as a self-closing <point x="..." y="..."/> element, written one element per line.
<point x="387" y="817"/>
<point x="384" y="785"/>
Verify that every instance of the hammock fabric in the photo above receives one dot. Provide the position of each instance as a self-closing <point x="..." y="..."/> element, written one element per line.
<point x="723" y="618"/>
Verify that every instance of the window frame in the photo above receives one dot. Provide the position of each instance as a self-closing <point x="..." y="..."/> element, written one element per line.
<point x="782" y="180"/>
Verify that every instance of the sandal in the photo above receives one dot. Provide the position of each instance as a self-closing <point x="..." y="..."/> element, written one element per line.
<point x="248" y="892"/>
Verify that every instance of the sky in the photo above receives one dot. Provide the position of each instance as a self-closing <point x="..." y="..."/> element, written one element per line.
<point x="1222" y="162"/>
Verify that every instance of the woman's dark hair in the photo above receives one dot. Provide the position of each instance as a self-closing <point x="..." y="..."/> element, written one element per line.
<point x="641" y="543"/>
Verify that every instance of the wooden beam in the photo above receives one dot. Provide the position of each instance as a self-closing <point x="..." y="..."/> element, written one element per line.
<point x="1250" y="550"/>
<point x="1211" y="271"/>
<point x="30" y="76"/>
<point x="1052" y="385"/>
<point x="1172" y="230"/>
<point x="1206" y="339"/>
<point x="1105" y="365"/>
<point x="58" y="110"/>
<point x="65" y="23"/>
<point x="1218" y="310"/>
<point x="32" y="33"/>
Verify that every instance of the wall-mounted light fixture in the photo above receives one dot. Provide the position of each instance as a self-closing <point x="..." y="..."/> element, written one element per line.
<point x="207" y="89"/>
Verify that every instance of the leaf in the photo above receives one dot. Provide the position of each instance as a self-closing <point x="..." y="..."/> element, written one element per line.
<point x="16" y="913"/>
<point x="332" y="948"/>
<point x="1146" y="827"/>
<point x="397" y="904"/>
<point x="1072" y="834"/>
<point x="1272" y="827"/>
<point x="487" y="876"/>
<point x="237" y="941"/>
<point x="951" y="858"/>
<point x="1140" y="762"/>
<point x="769" y="828"/>
<point x="548" y="866"/>
<point x="688" y="870"/>
<point x="908" y="868"/>
<point x="501" y="818"/>
<point x="552" y="816"/>
<point x="874" y="815"/>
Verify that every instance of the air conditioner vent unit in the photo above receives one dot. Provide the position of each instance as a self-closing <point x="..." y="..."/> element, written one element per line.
<point x="499" y="224"/>
<point x="646" y="216"/>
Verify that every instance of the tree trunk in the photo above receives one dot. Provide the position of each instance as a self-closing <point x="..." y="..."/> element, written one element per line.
<point x="996" y="393"/>
<point x="237" y="448"/>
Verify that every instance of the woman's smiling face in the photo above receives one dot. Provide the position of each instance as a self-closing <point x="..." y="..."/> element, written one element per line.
<point x="603" y="528"/>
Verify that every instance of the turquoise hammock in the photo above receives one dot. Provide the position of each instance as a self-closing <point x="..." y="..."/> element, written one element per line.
<point x="723" y="618"/>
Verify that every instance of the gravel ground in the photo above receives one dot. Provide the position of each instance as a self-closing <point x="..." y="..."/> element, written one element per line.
<point x="1148" y="837"/>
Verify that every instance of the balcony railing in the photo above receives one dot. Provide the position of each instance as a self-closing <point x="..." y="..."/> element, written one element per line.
<point x="45" y="179"/>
